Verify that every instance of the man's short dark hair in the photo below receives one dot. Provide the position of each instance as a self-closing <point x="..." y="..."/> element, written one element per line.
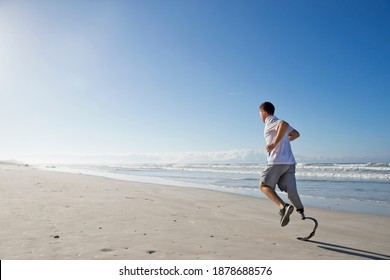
<point x="268" y="107"/>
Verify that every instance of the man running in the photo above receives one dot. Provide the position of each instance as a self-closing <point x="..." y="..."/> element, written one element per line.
<point x="281" y="163"/>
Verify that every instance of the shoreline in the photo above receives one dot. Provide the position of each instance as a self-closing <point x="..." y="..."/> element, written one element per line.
<point x="336" y="204"/>
<point x="55" y="215"/>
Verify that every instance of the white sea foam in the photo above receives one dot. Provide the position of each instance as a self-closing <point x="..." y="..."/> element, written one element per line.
<point x="368" y="172"/>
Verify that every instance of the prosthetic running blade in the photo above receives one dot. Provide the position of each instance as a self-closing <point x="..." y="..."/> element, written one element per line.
<point x="305" y="238"/>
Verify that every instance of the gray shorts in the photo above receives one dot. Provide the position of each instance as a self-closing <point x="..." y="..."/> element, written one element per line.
<point x="282" y="175"/>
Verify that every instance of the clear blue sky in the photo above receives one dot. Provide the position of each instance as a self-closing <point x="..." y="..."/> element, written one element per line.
<point x="123" y="77"/>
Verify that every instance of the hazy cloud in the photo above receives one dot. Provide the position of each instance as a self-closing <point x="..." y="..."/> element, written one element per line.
<point x="231" y="156"/>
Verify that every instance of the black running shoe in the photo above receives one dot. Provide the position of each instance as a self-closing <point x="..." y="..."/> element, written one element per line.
<point x="285" y="213"/>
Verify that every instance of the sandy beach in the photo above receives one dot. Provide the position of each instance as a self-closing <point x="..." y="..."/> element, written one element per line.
<point x="60" y="216"/>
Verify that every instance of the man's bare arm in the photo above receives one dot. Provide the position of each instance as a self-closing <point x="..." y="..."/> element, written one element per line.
<point x="293" y="135"/>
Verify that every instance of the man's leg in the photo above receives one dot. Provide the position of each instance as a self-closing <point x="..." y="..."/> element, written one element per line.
<point x="285" y="209"/>
<point x="288" y="184"/>
<point x="271" y="194"/>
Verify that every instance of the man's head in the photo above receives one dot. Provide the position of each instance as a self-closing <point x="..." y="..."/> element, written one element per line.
<point x="266" y="109"/>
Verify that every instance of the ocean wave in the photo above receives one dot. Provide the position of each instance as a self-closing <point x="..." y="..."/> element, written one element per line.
<point x="376" y="172"/>
<point x="379" y="164"/>
<point x="333" y="176"/>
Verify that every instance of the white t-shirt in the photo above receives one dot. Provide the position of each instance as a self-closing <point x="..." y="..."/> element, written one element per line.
<point x="282" y="154"/>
